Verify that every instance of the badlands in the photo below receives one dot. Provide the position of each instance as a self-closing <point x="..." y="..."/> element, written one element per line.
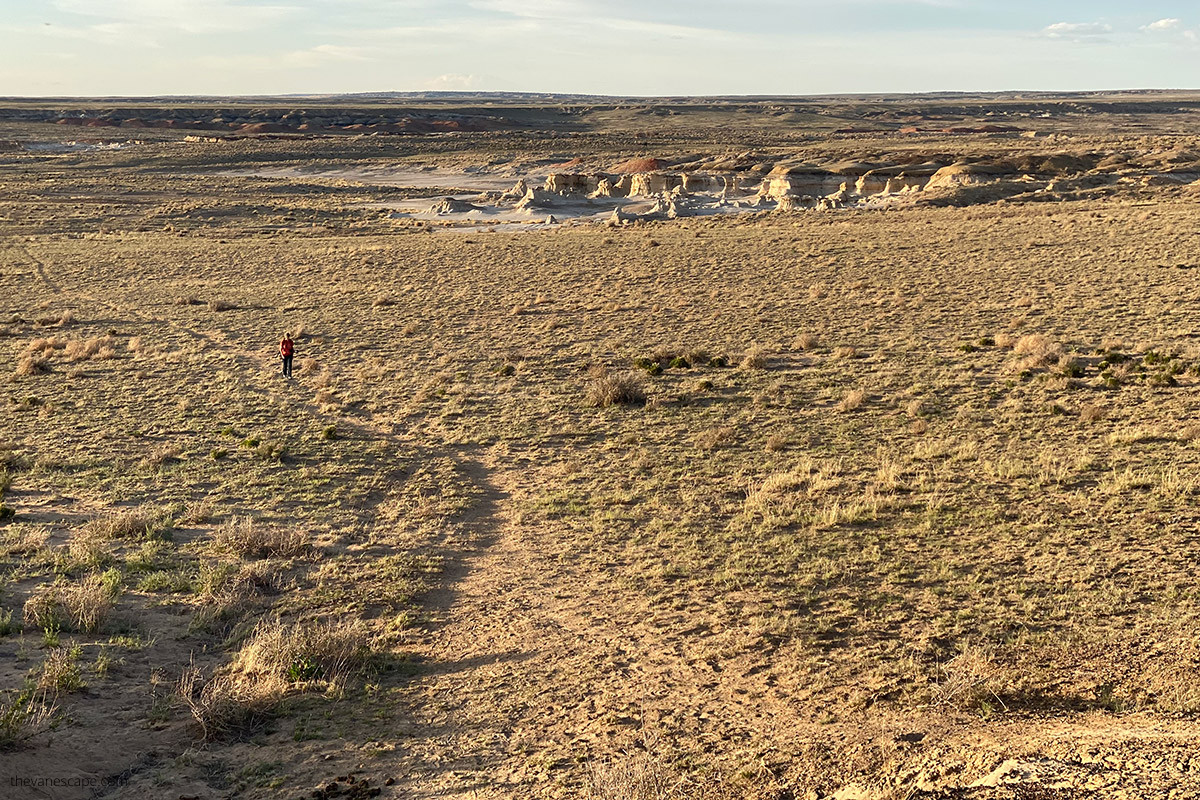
<point x="838" y="447"/>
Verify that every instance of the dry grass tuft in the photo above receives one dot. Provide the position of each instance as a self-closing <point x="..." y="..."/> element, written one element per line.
<point x="278" y="660"/>
<point x="32" y="365"/>
<point x="62" y="320"/>
<point x="754" y="358"/>
<point x="970" y="680"/>
<point x="807" y="341"/>
<point x="229" y="705"/>
<point x="245" y="538"/>
<point x="302" y="652"/>
<point x="851" y="400"/>
<point x="24" y="715"/>
<point x="46" y="345"/>
<point x="130" y="523"/>
<point x="607" y="389"/>
<point x="636" y="777"/>
<point x="60" y="672"/>
<point x="98" y="348"/>
<point x="716" y="437"/>
<point x="161" y="456"/>
<point x="82" y="607"/>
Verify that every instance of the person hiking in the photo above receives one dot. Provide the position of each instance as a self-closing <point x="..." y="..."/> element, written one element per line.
<point x="286" y="349"/>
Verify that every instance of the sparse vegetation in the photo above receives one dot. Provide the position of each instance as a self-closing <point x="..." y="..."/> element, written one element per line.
<point x="246" y="538"/>
<point x="608" y="389"/>
<point x="935" y="510"/>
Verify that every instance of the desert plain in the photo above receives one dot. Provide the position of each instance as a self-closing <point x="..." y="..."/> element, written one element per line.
<point x="836" y="447"/>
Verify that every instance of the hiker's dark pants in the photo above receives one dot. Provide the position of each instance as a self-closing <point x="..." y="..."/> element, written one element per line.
<point x="287" y="366"/>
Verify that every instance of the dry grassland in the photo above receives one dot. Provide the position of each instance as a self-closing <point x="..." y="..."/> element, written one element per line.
<point x="783" y="505"/>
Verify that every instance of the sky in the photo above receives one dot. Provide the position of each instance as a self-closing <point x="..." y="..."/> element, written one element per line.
<point x="613" y="47"/>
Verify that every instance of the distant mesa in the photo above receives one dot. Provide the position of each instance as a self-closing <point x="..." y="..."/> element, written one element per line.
<point x="639" y="165"/>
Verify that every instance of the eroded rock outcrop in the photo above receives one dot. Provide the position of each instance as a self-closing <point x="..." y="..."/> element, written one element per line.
<point x="797" y="181"/>
<point x="516" y="193"/>
<point x="648" y="184"/>
<point x="450" y="205"/>
<point x="538" y="199"/>
<point x="574" y="182"/>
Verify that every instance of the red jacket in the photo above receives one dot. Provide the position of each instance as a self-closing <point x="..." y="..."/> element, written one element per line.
<point x="286" y="347"/>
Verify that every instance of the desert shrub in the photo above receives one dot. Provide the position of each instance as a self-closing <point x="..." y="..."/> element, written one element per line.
<point x="270" y="450"/>
<point x="23" y="715"/>
<point x="245" y="538"/>
<point x="44" y="608"/>
<point x="7" y="513"/>
<point x="651" y="366"/>
<point x="162" y="580"/>
<point x="7" y="626"/>
<point x="1037" y="349"/>
<point x="1070" y="366"/>
<point x="607" y="389"/>
<point x="225" y="589"/>
<point x="24" y="540"/>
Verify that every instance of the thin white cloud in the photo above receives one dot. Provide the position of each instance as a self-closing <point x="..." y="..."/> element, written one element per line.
<point x="188" y="16"/>
<point x="320" y="55"/>
<point x="1168" y="24"/>
<point x="452" y="83"/>
<point x="553" y="16"/>
<point x="1076" y="30"/>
